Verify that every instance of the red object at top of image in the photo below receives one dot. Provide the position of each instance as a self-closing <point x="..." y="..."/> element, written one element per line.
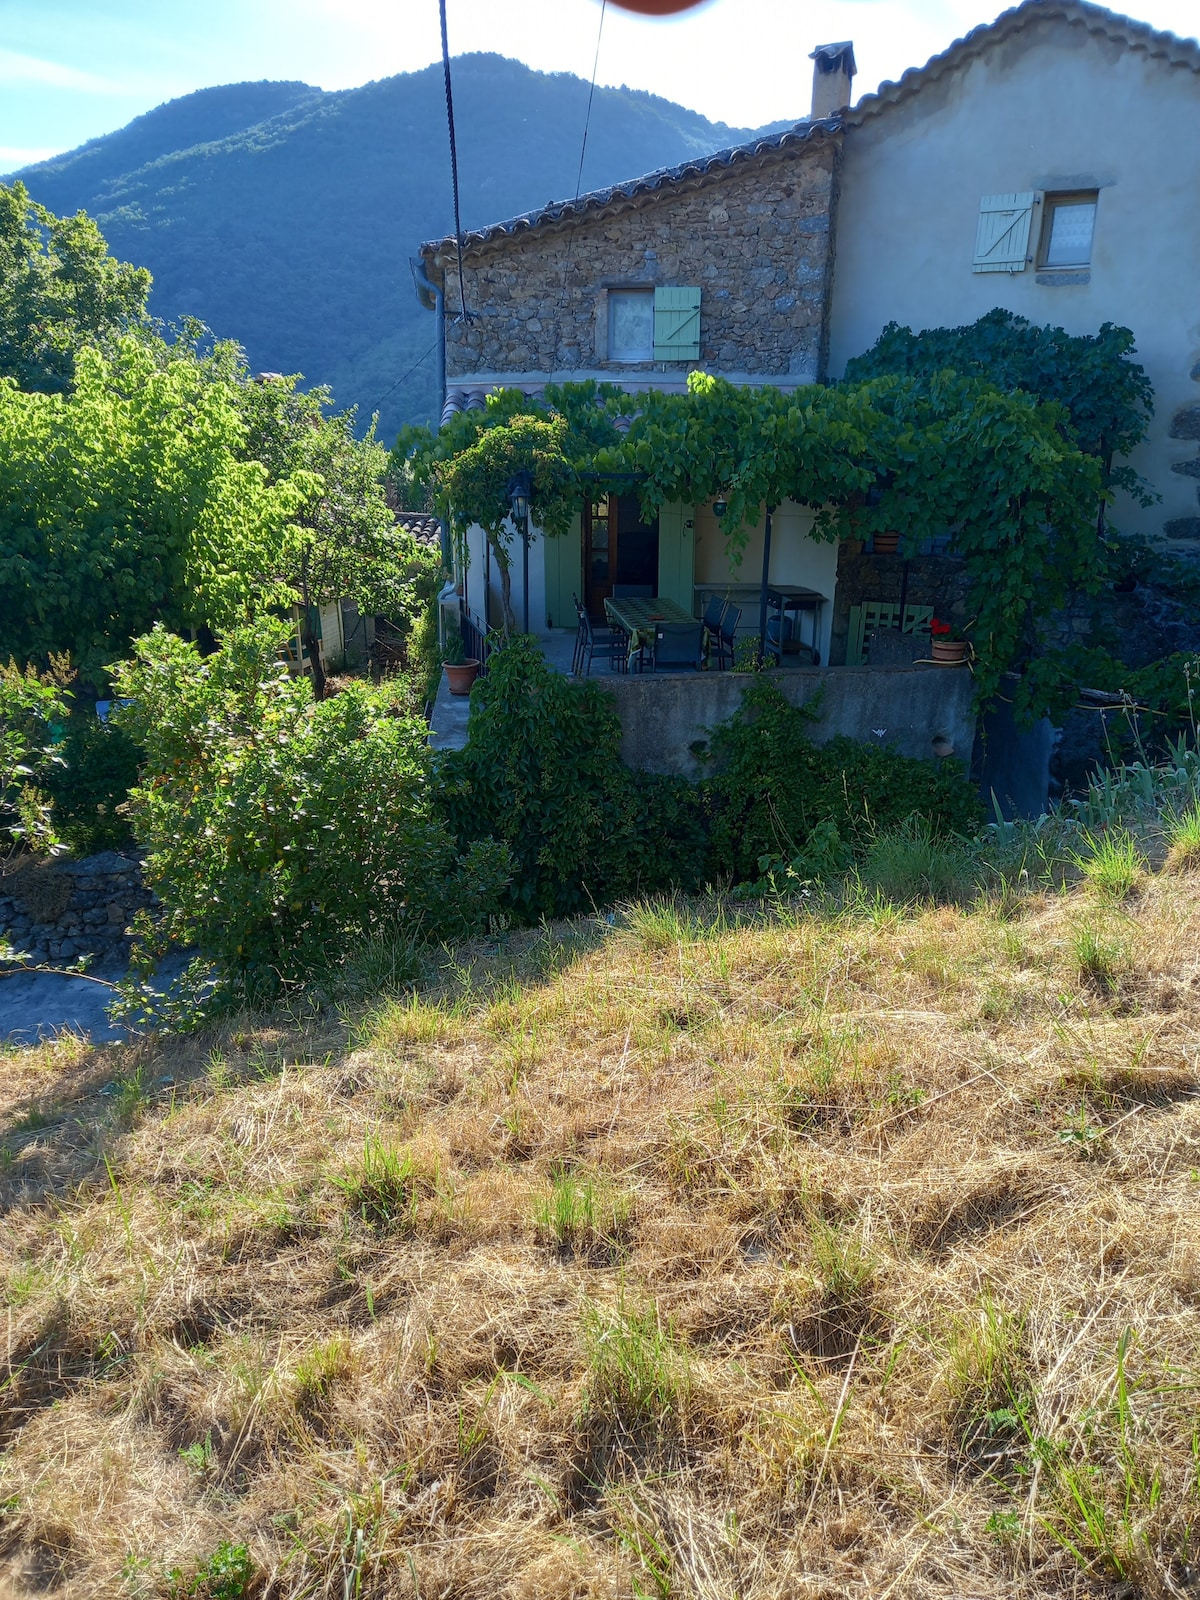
<point x="658" y="8"/>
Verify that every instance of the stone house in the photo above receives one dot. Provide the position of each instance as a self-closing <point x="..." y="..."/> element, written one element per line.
<point x="1048" y="163"/>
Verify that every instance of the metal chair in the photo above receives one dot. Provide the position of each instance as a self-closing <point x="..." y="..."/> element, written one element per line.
<point x="711" y="623"/>
<point x="677" y="646"/>
<point x="726" y="633"/>
<point x="589" y="639"/>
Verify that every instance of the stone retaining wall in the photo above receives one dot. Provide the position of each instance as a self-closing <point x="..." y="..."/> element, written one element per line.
<point x="59" y="911"/>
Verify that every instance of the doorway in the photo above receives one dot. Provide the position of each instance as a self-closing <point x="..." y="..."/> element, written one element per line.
<point x="618" y="548"/>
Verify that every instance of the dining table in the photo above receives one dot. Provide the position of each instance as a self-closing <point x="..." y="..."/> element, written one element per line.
<point x="638" y="616"/>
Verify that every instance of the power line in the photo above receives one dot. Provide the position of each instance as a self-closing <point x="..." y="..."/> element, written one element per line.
<point x="407" y="375"/>
<point x="591" y="92"/>
<point x="462" y="288"/>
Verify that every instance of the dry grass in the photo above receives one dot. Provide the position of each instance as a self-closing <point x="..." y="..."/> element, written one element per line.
<point x="814" y="1257"/>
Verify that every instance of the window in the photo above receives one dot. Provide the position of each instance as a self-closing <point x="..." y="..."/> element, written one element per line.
<point x="631" y="324"/>
<point x="654" y="324"/>
<point x="1068" y="223"/>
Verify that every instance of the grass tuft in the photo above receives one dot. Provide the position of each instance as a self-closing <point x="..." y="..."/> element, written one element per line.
<point x="1113" y="865"/>
<point x="638" y="1373"/>
<point x="1183" y="842"/>
<point x="584" y="1216"/>
<point x="381" y="1186"/>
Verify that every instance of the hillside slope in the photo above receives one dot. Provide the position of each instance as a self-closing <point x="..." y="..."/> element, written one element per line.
<point x="284" y="216"/>
<point x="821" y="1255"/>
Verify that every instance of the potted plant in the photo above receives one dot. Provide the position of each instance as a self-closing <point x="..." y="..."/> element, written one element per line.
<point x="461" y="671"/>
<point x="885" y="544"/>
<point x="944" y="647"/>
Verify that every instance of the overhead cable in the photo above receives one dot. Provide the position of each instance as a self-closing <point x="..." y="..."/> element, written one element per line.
<point x="464" y="314"/>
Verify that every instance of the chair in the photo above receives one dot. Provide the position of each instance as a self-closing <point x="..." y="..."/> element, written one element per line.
<point x="633" y="591"/>
<point x="726" y="632"/>
<point x="588" y="639"/>
<point x="711" y="622"/>
<point x="677" y="646"/>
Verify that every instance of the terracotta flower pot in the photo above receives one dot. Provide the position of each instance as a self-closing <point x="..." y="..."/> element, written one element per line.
<point x="949" y="652"/>
<point x="460" y="675"/>
<point x="886" y="544"/>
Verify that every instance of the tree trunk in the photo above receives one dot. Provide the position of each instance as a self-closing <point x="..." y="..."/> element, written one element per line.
<point x="313" y="645"/>
<point x="510" y="621"/>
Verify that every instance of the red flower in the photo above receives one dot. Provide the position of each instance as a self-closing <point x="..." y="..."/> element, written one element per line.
<point x="938" y="628"/>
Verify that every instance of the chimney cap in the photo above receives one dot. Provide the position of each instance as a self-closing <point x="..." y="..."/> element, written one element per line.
<point x="835" y="57"/>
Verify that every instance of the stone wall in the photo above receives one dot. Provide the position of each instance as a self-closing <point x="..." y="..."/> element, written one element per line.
<point x="756" y="238"/>
<point x="57" y="911"/>
<point x="937" y="581"/>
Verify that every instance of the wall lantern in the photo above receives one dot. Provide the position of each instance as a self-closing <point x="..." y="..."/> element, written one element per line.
<point x="520" y="489"/>
<point x="720" y="507"/>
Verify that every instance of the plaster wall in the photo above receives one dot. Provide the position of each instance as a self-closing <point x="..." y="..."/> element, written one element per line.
<point x="477" y="577"/>
<point x="796" y="558"/>
<point x="754" y="237"/>
<point x="666" y="721"/>
<point x="1053" y="107"/>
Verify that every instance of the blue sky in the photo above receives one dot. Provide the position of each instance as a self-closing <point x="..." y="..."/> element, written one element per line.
<point x="73" y="69"/>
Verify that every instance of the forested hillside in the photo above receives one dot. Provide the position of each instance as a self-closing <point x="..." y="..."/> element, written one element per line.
<point x="284" y="216"/>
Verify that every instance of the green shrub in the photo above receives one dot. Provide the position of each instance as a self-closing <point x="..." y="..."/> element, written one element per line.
<point x="909" y="864"/>
<point x="542" y="773"/>
<point x="228" y="1574"/>
<point x="773" y="788"/>
<point x="31" y="703"/>
<point x="283" y="834"/>
<point x="96" y="769"/>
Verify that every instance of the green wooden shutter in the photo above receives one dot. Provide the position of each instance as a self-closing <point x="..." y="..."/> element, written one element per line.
<point x="1002" y="243"/>
<point x="564" y="572"/>
<point x="677" y="555"/>
<point x="676" y="324"/>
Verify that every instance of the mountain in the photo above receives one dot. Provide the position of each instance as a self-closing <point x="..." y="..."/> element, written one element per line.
<point x="283" y="216"/>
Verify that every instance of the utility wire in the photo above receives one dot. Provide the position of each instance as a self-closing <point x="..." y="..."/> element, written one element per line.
<point x="464" y="314"/>
<point x="407" y="375"/>
<point x="591" y="92"/>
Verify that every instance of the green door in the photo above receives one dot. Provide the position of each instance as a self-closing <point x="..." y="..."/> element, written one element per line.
<point x="677" y="556"/>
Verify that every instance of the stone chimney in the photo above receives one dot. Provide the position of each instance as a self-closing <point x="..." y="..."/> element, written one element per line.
<point x="833" y="74"/>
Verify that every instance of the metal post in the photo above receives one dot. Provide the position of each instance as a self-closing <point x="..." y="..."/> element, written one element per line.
<point x="762" y="602"/>
<point x="525" y="564"/>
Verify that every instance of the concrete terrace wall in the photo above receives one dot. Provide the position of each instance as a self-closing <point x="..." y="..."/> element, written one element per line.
<point x="755" y="238"/>
<point x="666" y="721"/>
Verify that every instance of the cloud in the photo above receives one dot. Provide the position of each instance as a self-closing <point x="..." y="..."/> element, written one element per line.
<point x="13" y="156"/>
<point x="15" y="68"/>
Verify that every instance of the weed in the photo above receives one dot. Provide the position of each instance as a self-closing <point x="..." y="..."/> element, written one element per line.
<point x="1183" y="842"/>
<point x="638" y="1372"/>
<point x="1113" y="865"/>
<point x="583" y="1216"/>
<point x="200" y="1455"/>
<point x="319" y="1370"/>
<point x="1082" y="1137"/>
<point x="908" y="865"/>
<point x="381" y="1188"/>
<point x="664" y="924"/>
<point x="228" y="1574"/>
<point x="31" y="1120"/>
<point x="1097" y="959"/>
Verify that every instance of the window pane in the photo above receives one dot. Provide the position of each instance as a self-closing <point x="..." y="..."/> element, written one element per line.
<point x="631" y="324"/>
<point x="1071" y="234"/>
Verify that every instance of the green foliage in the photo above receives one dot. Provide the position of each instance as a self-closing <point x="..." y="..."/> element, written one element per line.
<point x="381" y="1188"/>
<point x="95" y="768"/>
<point x="774" y="787"/>
<point x="1106" y="396"/>
<point x="128" y="502"/>
<point x="584" y="1215"/>
<point x="31" y="704"/>
<point x="59" y="290"/>
<point x="1113" y="865"/>
<point x="279" y="832"/>
<point x="228" y="1574"/>
<point x="908" y="864"/>
<point x="348" y="545"/>
<point x="638" y="1370"/>
<point x="542" y="774"/>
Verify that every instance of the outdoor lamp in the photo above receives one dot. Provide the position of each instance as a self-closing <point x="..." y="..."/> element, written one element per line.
<point x="519" y="490"/>
<point x="720" y="507"/>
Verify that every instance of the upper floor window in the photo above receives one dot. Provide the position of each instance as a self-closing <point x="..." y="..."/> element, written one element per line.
<point x="631" y="324"/>
<point x="1068" y="222"/>
<point x="654" y="324"/>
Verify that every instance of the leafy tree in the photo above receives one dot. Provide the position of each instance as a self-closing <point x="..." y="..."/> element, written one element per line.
<point x="59" y="290"/>
<point x="128" y="501"/>
<point x="281" y="832"/>
<point x="348" y="545"/>
<point x="31" y="703"/>
<point x="1106" y="396"/>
